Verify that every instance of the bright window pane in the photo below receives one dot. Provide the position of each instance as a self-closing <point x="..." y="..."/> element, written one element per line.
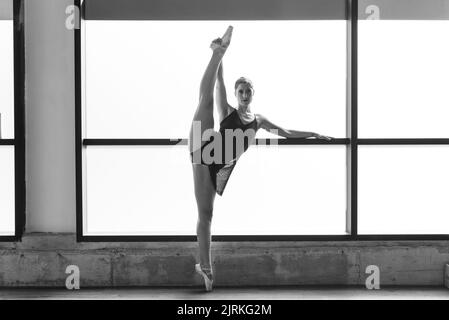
<point x="403" y="78"/>
<point x="7" y="212"/>
<point x="139" y="190"/>
<point x="141" y="78"/>
<point x="281" y="190"/>
<point x="6" y="80"/>
<point x="403" y="189"/>
<point x="273" y="190"/>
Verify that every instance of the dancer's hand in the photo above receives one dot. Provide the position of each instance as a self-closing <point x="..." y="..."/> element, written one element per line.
<point x="215" y="44"/>
<point x="318" y="136"/>
<point x="221" y="44"/>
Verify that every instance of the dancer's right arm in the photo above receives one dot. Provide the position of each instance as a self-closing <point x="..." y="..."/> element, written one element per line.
<point x="269" y="126"/>
<point x="220" y="90"/>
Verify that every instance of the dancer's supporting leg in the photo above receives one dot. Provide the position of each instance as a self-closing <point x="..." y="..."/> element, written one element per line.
<point x="204" y="188"/>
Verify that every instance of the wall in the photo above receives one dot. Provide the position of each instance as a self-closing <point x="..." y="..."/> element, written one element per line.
<point x="41" y="260"/>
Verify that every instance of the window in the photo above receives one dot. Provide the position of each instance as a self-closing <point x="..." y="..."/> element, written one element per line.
<point x="403" y="101"/>
<point x="139" y="98"/>
<point x="11" y="121"/>
<point x="322" y="67"/>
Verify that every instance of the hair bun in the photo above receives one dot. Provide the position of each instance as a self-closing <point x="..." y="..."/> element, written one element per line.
<point x="243" y="80"/>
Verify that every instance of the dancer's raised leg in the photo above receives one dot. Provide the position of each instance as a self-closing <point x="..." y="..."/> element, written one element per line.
<point x="204" y="114"/>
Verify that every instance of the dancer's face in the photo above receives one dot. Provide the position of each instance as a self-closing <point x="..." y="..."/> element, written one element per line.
<point x="244" y="94"/>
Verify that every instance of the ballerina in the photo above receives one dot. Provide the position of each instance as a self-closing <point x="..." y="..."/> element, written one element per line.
<point x="214" y="159"/>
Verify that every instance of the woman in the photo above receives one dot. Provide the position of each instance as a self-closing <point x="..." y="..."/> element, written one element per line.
<point x="211" y="162"/>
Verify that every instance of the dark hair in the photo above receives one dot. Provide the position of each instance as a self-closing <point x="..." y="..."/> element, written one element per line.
<point x="243" y="80"/>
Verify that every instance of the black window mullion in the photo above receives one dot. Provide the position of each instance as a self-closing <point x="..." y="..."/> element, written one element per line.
<point x="18" y="142"/>
<point x="353" y="118"/>
<point x="180" y="141"/>
<point x="7" y="142"/>
<point x="78" y="129"/>
<point x="19" y="118"/>
<point x="404" y="141"/>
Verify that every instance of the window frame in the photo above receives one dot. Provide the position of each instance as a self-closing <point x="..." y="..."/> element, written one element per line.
<point x="18" y="142"/>
<point x="352" y="143"/>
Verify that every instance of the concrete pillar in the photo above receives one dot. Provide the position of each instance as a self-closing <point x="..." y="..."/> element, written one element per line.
<point x="50" y="117"/>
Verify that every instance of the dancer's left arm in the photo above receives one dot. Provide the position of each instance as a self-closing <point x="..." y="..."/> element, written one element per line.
<point x="266" y="124"/>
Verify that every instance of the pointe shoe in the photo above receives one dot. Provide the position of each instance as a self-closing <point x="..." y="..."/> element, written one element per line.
<point x="207" y="281"/>
<point x="226" y="39"/>
<point x="221" y="44"/>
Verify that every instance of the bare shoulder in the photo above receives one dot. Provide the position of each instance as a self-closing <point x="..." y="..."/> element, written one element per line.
<point x="259" y="120"/>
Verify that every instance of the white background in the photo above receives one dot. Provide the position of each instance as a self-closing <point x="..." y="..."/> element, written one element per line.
<point x="403" y="189"/>
<point x="7" y="213"/>
<point x="141" y="80"/>
<point x="403" y="79"/>
<point x="142" y="77"/>
<point x="6" y="79"/>
<point x="272" y="190"/>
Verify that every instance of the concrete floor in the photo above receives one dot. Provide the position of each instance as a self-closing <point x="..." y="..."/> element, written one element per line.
<point x="269" y="293"/>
